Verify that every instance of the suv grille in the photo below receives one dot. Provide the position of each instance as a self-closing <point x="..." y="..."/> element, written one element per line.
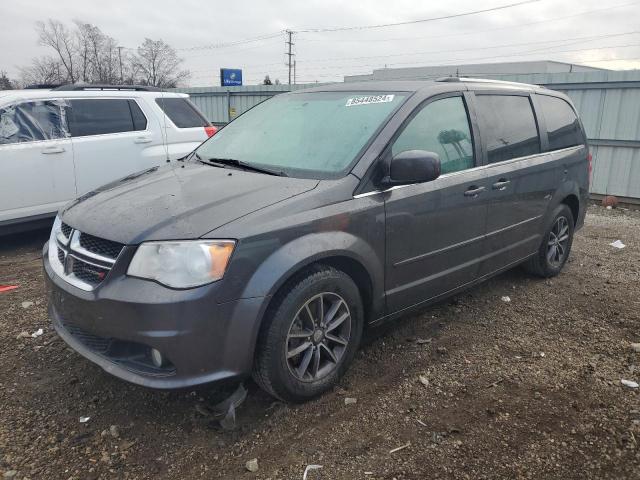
<point x="100" y="246"/>
<point x="83" y="260"/>
<point x="66" y="230"/>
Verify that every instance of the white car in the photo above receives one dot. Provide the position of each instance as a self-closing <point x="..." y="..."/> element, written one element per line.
<point x="58" y="144"/>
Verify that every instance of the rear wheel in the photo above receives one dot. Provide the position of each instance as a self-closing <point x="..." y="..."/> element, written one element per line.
<point x="311" y="335"/>
<point x="555" y="246"/>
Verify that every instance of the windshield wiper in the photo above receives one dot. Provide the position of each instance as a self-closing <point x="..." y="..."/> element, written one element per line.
<point x="232" y="162"/>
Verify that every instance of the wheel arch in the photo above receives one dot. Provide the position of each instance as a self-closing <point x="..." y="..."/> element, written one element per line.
<point x="573" y="203"/>
<point x="340" y="250"/>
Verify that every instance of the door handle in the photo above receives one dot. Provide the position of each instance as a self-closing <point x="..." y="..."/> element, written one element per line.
<point x="53" y="149"/>
<point x="473" y="191"/>
<point x="501" y="184"/>
<point x="142" y="140"/>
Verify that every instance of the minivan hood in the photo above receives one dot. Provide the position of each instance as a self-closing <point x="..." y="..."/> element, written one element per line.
<point x="177" y="201"/>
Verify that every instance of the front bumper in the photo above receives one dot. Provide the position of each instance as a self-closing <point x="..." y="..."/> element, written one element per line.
<point x="117" y="324"/>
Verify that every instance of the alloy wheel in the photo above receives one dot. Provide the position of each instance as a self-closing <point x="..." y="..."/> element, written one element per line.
<point x="558" y="242"/>
<point x="318" y="337"/>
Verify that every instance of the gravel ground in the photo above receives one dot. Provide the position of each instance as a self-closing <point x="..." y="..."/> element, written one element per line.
<point x="476" y="387"/>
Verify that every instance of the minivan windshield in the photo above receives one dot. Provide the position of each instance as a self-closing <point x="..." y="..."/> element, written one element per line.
<point x="309" y="135"/>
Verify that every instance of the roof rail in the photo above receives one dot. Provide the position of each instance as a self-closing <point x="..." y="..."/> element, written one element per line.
<point x="36" y="86"/>
<point x="486" y="80"/>
<point x="136" y="88"/>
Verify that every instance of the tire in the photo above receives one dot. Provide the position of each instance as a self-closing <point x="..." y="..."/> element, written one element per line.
<point x="282" y="349"/>
<point x="547" y="263"/>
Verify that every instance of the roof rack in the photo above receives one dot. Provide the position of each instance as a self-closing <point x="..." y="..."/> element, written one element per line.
<point x="37" y="86"/>
<point x="486" y="80"/>
<point x="136" y="88"/>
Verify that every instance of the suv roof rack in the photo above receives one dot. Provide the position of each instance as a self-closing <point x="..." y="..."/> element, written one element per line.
<point x="38" y="86"/>
<point x="486" y="80"/>
<point x="136" y="88"/>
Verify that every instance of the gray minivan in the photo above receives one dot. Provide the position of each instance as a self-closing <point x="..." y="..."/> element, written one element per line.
<point x="313" y="216"/>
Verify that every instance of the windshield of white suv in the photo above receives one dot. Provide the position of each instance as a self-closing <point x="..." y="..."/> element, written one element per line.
<point x="311" y="135"/>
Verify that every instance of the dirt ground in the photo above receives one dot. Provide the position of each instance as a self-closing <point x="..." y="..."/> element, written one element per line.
<point x="529" y="388"/>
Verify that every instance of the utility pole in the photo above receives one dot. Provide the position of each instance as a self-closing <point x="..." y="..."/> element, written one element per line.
<point x="120" y="60"/>
<point x="289" y="53"/>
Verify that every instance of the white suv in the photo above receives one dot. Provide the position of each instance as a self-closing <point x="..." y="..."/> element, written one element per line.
<point x="58" y="144"/>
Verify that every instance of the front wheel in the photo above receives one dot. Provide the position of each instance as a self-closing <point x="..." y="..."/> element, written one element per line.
<point x="555" y="246"/>
<point x="311" y="335"/>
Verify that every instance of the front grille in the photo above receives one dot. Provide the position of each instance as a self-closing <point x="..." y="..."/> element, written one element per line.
<point x="61" y="255"/>
<point x="83" y="260"/>
<point x="93" y="342"/>
<point x="100" y="246"/>
<point x="91" y="274"/>
<point x="66" y="230"/>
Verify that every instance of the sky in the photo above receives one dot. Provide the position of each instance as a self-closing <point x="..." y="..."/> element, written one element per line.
<point x="206" y="34"/>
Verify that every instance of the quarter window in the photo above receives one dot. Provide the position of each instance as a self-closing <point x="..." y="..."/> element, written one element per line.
<point x="508" y="126"/>
<point x="182" y="113"/>
<point x="102" y="116"/>
<point x="441" y="127"/>
<point x="31" y="122"/>
<point x="563" y="127"/>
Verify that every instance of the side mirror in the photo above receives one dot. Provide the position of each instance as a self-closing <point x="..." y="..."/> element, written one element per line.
<point x="413" y="166"/>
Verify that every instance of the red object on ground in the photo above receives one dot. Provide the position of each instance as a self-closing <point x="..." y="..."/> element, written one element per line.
<point x="7" y="288"/>
<point x="610" y="201"/>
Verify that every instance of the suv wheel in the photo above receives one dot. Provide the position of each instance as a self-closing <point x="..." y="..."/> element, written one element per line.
<point x="311" y="335"/>
<point x="556" y="245"/>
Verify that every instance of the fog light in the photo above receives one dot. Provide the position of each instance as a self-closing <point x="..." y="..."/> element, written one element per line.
<point x="157" y="358"/>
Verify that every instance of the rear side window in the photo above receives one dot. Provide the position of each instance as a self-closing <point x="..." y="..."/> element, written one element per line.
<point x="101" y="116"/>
<point x="508" y="126"/>
<point x="32" y="122"/>
<point x="441" y="127"/>
<point x="563" y="127"/>
<point x="182" y="112"/>
<point x="139" y="120"/>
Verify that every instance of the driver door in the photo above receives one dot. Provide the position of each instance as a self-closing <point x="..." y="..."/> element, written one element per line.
<point x="435" y="230"/>
<point x="36" y="160"/>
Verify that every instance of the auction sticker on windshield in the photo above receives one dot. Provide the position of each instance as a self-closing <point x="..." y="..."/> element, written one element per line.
<point x="352" y="102"/>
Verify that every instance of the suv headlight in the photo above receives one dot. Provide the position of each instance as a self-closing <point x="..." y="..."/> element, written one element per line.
<point x="182" y="264"/>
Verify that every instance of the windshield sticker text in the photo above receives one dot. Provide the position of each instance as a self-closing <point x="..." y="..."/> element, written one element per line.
<point x="352" y="102"/>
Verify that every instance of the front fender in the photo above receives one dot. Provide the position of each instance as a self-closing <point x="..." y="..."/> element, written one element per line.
<point x="276" y="269"/>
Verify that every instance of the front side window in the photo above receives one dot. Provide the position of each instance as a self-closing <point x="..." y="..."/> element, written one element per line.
<point x="508" y="126"/>
<point x="441" y="127"/>
<point x="309" y="135"/>
<point x="32" y="121"/>
<point x="563" y="127"/>
<point x="101" y="116"/>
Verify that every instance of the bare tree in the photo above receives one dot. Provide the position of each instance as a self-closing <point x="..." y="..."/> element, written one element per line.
<point x="55" y="34"/>
<point x="5" y="82"/>
<point x="158" y="64"/>
<point x="43" y="71"/>
<point x="97" y="54"/>
<point x="83" y="53"/>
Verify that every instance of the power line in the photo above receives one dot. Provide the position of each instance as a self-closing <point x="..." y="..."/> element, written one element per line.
<point x="231" y="44"/>
<point x="593" y="37"/>
<point x="475" y="32"/>
<point x="497" y="58"/>
<point x="521" y="53"/>
<point x="411" y="22"/>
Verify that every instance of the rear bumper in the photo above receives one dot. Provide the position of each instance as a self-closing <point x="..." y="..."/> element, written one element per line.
<point x="116" y="326"/>
<point x="582" y="212"/>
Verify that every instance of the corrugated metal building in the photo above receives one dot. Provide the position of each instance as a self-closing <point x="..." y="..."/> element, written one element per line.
<point x="608" y="102"/>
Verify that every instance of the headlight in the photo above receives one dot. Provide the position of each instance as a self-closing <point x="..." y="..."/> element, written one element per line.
<point x="182" y="264"/>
